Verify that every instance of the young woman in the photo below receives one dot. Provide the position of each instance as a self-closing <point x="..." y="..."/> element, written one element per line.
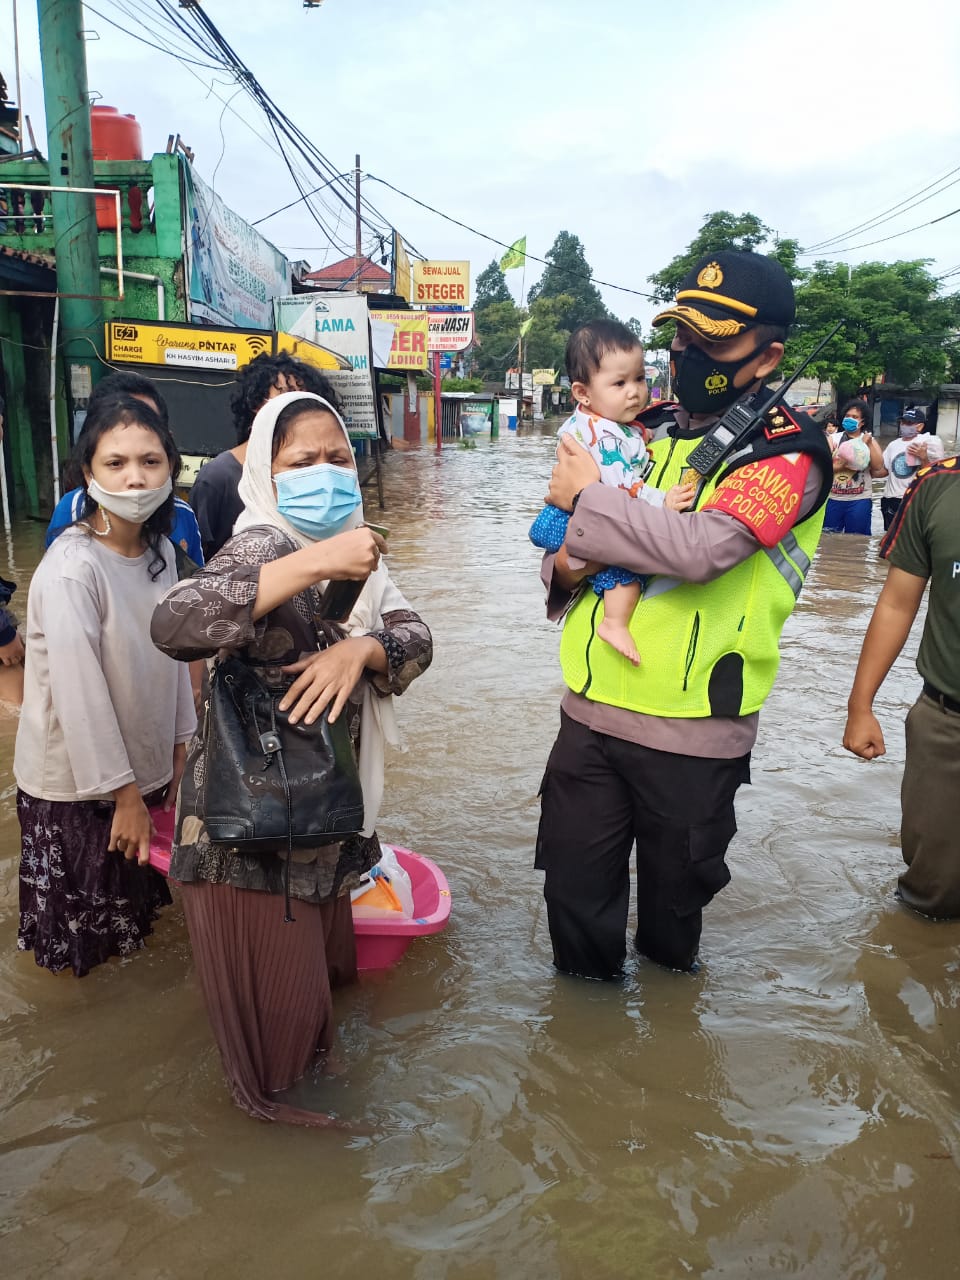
<point x="105" y="717"/>
<point x="850" y="505"/>
<point x="266" y="982"/>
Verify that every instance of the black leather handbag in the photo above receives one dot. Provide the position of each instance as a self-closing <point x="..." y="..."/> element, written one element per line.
<point x="270" y="786"/>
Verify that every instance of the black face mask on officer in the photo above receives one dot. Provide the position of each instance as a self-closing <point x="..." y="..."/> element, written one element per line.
<point x="705" y="385"/>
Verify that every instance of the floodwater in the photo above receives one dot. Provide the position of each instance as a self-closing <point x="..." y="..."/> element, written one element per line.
<point x="791" y="1109"/>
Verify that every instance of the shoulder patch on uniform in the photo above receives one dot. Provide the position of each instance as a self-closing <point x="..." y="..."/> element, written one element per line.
<point x="780" y="422"/>
<point x="764" y="495"/>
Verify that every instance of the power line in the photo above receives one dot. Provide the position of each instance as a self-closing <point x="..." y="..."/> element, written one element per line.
<point x="902" y="206"/>
<point x="143" y="40"/>
<point x="306" y="147"/>
<point x="896" y="236"/>
<point x="266" y="217"/>
<point x="204" y="38"/>
<point x="576" y="275"/>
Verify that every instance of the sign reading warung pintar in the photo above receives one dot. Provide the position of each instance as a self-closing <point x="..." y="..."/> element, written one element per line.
<point x="450" y="330"/>
<point x="149" y="342"/>
<point x="441" y="282"/>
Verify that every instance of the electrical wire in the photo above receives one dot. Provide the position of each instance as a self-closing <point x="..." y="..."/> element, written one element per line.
<point x="142" y="39"/>
<point x="203" y="38"/>
<point x="282" y="120"/>
<point x="902" y="206"/>
<point x="283" y="208"/>
<point x="146" y="18"/>
<point x="575" y="275"/>
<point x="181" y="53"/>
<point x="279" y="124"/>
<point x="896" y="236"/>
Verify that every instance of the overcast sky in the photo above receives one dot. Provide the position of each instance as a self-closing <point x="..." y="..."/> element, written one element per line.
<point x="620" y="121"/>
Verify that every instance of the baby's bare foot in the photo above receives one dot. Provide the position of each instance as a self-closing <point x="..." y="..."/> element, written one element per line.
<point x="619" y="638"/>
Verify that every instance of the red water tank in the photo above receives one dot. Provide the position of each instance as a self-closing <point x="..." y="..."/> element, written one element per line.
<point x="115" y="137"/>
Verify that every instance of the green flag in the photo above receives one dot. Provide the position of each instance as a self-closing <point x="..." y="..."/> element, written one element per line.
<point x="525" y="326"/>
<point x="515" y="255"/>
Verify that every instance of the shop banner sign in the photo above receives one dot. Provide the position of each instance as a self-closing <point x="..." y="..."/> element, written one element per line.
<point x="446" y="282"/>
<point x="235" y="273"/>
<point x="402" y="283"/>
<point x="339" y="323"/>
<point x="408" y="341"/>
<point x="181" y="345"/>
<point x="450" y="330"/>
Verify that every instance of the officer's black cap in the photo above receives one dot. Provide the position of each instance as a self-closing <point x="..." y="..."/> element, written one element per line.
<point x="728" y="292"/>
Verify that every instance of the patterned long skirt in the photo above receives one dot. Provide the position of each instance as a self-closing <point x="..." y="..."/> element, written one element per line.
<point x="79" y="904"/>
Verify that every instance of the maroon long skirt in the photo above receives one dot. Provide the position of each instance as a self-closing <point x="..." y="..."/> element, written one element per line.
<point x="266" y="985"/>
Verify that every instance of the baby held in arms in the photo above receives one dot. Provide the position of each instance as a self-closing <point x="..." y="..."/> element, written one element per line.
<point x="606" y="366"/>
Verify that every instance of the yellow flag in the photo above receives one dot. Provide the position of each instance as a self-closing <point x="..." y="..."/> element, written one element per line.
<point x="525" y="326"/>
<point x="515" y="255"/>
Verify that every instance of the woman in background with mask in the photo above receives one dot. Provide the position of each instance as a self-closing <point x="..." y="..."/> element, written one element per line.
<point x="850" y="505"/>
<point x="266" y="983"/>
<point x="105" y="717"/>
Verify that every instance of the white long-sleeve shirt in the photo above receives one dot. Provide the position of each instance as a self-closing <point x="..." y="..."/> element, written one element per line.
<point x="102" y="707"/>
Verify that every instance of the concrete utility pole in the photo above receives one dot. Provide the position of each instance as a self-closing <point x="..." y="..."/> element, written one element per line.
<point x="356" y="179"/>
<point x="67" y="105"/>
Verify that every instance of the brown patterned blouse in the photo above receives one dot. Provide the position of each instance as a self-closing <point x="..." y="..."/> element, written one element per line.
<point x="211" y="612"/>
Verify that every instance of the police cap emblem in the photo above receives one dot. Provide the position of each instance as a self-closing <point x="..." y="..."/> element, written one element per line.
<point x="711" y="277"/>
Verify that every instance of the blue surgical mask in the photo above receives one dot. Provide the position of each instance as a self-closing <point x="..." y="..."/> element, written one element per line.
<point x="318" y="500"/>
<point x="851" y="424"/>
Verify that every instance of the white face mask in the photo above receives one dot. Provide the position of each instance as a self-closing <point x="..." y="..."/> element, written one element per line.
<point x="135" y="505"/>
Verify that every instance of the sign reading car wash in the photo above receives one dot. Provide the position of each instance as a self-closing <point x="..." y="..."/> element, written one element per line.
<point x="441" y="282"/>
<point x="450" y="330"/>
<point x="183" y="346"/>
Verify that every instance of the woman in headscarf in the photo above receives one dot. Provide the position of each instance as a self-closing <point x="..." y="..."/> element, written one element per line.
<point x="267" y="983"/>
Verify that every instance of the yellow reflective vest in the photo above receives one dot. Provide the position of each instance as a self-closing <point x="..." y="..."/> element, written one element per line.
<point x="709" y="649"/>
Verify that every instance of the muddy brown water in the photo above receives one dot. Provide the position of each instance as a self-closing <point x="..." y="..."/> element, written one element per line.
<point x="791" y="1109"/>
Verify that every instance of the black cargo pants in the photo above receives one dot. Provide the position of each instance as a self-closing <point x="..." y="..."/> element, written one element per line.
<point x="600" y="795"/>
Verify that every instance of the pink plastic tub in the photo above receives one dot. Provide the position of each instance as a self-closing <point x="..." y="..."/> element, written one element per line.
<point x="380" y="941"/>
<point x="161" y="842"/>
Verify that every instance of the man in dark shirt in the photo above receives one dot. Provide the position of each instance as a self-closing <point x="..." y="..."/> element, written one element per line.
<point x="214" y="496"/>
<point x="922" y="544"/>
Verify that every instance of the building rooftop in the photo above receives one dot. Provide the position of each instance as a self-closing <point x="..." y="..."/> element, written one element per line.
<point x="358" y="271"/>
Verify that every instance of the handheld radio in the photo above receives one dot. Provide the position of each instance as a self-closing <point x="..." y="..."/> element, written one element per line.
<point x="739" y="421"/>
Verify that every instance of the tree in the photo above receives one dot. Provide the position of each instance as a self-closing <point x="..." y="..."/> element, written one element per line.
<point x="723" y="230"/>
<point x="568" y="273"/>
<point x="895" y="325"/>
<point x="498" y="334"/>
<point x="546" y="339"/>
<point x="491" y="286"/>
<point x="498" y="329"/>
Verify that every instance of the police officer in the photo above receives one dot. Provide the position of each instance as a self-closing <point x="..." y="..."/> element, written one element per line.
<point x="653" y="755"/>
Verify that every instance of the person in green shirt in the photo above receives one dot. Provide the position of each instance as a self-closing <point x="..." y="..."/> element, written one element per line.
<point x="922" y="545"/>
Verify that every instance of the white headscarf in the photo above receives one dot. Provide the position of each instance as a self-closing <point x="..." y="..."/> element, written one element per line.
<point x="378" y="721"/>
